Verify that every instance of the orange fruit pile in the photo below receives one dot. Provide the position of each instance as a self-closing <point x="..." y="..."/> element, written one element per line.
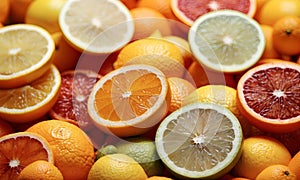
<point x="214" y="85"/>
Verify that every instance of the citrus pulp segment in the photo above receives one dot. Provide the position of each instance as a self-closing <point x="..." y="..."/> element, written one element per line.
<point x="25" y="54"/>
<point x="130" y="100"/>
<point x="17" y="150"/>
<point x="226" y="40"/>
<point x="31" y="101"/>
<point x="199" y="140"/>
<point x="188" y="11"/>
<point x="96" y="26"/>
<point x="268" y="96"/>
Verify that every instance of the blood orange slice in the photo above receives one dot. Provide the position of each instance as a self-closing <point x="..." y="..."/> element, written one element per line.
<point x="17" y="150"/>
<point x="188" y="11"/>
<point x="269" y="96"/>
<point x="71" y="105"/>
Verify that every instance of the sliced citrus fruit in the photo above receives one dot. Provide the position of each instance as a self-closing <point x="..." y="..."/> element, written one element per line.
<point x="32" y="101"/>
<point x="71" y="104"/>
<point x="268" y="96"/>
<point x="17" y="150"/>
<point x="25" y="52"/>
<point x="227" y="41"/>
<point x="199" y="140"/>
<point x="188" y="11"/>
<point x="96" y="26"/>
<point x="129" y="101"/>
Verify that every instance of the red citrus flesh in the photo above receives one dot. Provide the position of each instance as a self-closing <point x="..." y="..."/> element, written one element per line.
<point x="72" y="102"/>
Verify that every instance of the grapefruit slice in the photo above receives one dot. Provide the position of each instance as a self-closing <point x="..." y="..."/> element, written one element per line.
<point x="268" y="96"/>
<point x="199" y="140"/>
<point x="226" y="41"/>
<point x="17" y="150"/>
<point x="188" y="11"/>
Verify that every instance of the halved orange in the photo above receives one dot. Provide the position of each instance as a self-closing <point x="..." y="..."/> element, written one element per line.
<point x="188" y="11"/>
<point x="32" y="101"/>
<point x="269" y="96"/>
<point x="17" y="150"/>
<point x="129" y="101"/>
<point x="25" y="52"/>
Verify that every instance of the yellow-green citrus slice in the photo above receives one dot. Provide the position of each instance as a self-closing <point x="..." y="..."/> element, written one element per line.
<point x="200" y="141"/>
<point x="96" y="26"/>
<point x="25" y="54"/>
<point x="226" y="40"/>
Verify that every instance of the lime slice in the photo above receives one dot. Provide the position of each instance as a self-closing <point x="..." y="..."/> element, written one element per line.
<point x="226" y="40"/>
<point x="96" y="26"/>
<point x="199" y="140"/>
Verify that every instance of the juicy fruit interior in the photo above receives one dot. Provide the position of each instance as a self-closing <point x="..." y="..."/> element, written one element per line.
<point x="221" y="39"/>
<point x="208" y="136"/>
<point x="130" y="95"/>
<point x="19" y="50"/>
<point x="277" y="100"/>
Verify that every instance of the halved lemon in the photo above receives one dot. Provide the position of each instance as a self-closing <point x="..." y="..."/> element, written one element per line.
<point x="199" y="140"/>
<point x="96" y="26"/>
<point x="226" y="40"/>
<point x="129" y="100"/>
<point x="32" y="101"/>
<point x="25" y="54"/>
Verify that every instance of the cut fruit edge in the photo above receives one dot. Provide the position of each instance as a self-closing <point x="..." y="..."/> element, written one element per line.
<point x="222" y="167"/>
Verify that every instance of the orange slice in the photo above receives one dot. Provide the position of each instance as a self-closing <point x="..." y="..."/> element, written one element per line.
<point x="129" y="101"/>
<point x="17" y="150"/>
<point x="96" y="26"/>
<point x="188" y="11"/>
<point x="25" y="52"/>
<point x="268" y="96"/>
<point x="32" y="101"/>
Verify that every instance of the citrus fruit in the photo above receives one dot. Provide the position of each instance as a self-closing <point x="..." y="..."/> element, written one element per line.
<point x="189" y="11"/>
<point x="273" y="10"/>
<point x="286" y="35"/>
<point x="44" y="13"/>
<point x="156" y="52"/>
<point x="143" y="151"/>
<point x="17" y="150"/>
<point x="199" y="140"/>
<point x="65" y="57"/>
<point x="276" y="172"/>
<point x="71" y="104"/>
<point x="294" y="164"/>
<point x="18" y="10"/>
<point x="164" y="7"/>
<point x="32" y="101"/>
<point x="42" y="170"/>
<point x="5" y="128"/>
<point x="202" y="76"/>
<point x="130" y="3"/>
<point x="115" y="167"/>
<point x="267" y="96"/>
<point x="226" y="40"/>
<point x="5" y="8"/>
<point x="269" y="51"/>
<point x="129" y="101"/>
<point x="158" y="178"/>
<point x="96" y="26"/>
<point x="26" y="52"/>
<point x="259" y="152"/>
<point x="72" y="150"/>
<point x="147" y="20"/>
<point x="179" y="88"/>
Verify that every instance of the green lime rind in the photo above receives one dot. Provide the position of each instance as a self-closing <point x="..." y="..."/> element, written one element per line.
<point x="199" y="141"/>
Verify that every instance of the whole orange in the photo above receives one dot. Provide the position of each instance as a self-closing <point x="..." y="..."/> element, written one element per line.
<point x="269" y="51"/>
<point x="294" y="164"/>
<point x="276" y="172"/>
<point x="72" y="150"/>
<point x="18" y="10"/>
<point x="273" y="10"/>
<point x="286" y="35"/>
<point x="163" y="6"/>
<point x="4" y="6"/>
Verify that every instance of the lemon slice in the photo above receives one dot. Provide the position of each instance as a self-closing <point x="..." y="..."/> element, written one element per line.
<point x="226" y="40"/>
<point x="96" y="26"/>
<point x="199" y="140"/>
<point x="25" y="54"/>
<point x="31" y="101"/>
